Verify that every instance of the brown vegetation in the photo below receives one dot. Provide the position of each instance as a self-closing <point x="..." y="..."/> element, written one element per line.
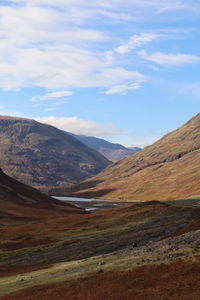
<point x="166" y="170"/>
<point x="178" y="280"/>
<point x="42" y="231"/>
<point x="14" y="270"/>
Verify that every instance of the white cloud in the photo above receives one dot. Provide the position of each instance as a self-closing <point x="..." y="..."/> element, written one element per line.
<point x="5" y="111"/>
<point x="122" y="89"/>
<point x="136" y="41"/>
<point x="119" y="5"/>
<point x="79" y="126"/>
<point x="51" y="96"/>
<point x="58" y="45"/>
<point x="168" y="59"/>
<point x="38" y="48"/>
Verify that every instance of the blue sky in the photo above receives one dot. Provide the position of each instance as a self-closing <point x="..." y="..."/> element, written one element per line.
<point x="125" y="70"/>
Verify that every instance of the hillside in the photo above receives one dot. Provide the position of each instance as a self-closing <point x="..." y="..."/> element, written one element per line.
<point x="111" y="151"/>
<point x="13" y="192"/>
<point x="168" y="169"/>
<point x="43" y="156"/>
<point x="24" y="211"/>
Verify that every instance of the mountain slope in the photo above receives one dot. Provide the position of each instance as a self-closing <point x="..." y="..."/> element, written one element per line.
<point x="168" y="169"/>
<point x="111" y="151"/>
<point x="28" y="217"/>
<point x="43" y="156"/>
<point x="15" y="192"/>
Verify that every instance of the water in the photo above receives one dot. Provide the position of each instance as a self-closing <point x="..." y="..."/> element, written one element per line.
<point x="89" y="204"/>
<point x="75" y="199"/>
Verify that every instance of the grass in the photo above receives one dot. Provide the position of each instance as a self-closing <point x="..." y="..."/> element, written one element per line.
<point x="70" y="271"/>
<point x="110" y="241"/>
<point x="100" y="232"/>
<point x="79" y="246"/>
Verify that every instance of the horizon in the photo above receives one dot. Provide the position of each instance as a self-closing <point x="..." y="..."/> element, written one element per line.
<point x="125" y="72"/>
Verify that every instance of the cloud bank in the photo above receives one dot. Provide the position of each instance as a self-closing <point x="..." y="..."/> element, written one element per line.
<point x="82" y="127"/>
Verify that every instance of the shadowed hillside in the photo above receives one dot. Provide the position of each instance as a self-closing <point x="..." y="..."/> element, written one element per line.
<point x="24" y="213"/>
<point x="168" y="169"/>
<point x="43" y="156"/>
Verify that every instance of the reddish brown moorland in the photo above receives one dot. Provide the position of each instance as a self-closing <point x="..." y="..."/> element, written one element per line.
<point x="178" y="280"/>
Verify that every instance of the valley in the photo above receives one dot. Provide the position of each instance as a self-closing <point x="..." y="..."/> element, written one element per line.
<point x="61" y="246"/>
<point x="99" y="150"/>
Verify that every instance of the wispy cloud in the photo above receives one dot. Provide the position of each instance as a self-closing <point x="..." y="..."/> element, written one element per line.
<point x="6" y="111"/>
<point x="136" y="41"/>
<point x="40" y="46"/>
<point x="58" y="45"/>
<point x="169" y="59"/>
<point x="79" y="126"/>
<point x="52" y="96"/>
<point x="123" y="89"/>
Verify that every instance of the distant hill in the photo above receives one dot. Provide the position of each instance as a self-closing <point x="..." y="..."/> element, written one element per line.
<point x="168" y="169"/>
<point x="111" y="151"/>
<point x="43" y="156"/>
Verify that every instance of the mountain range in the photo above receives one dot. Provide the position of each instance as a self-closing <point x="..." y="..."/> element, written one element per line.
<point x="111" y="151"/>
<point x="168" y="169"/>
<point x="43" y="156"/>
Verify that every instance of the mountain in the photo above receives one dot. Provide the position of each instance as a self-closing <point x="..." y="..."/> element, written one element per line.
<point x="168" y="169"/>
<point x="111" y="151"/>
<point x="43" y="156"/>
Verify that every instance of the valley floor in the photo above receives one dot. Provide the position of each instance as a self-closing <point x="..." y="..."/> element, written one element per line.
<point x="178" y="280"/>
<point x="148" y="250"/>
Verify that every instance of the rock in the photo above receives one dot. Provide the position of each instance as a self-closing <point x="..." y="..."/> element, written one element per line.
<point x="149" y="250"/>
<point x="99" y="271"/>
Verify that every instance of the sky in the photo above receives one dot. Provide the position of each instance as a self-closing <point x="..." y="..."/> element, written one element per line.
<point x="124" y="70"/>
